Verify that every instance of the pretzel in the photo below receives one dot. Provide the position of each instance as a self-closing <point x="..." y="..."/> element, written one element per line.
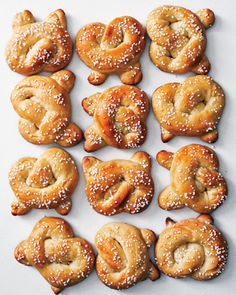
<point x="191" y="248"/>
<point x="44" y="183"/>
<point x="119" y="185"/>
<point x="39" y="46"/>
<point x="112" y="49"/>
<point x="119" y="115"/>
<point x="61" y="258"/>
<point x="195" y="180"/>
<point x="193" y="108"/>
<point x="178" y="39"/>
<point x="43" y="103"/>
<point x="123" y="255"/>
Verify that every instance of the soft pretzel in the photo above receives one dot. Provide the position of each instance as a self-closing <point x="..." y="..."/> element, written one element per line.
<point x="44" y="183"/>
<point x="61" y="258"/>
<point x="119" y="115"/>
<point x="191" y="248"/>
<point x="195" y="179"/>
<point x="123" y="255"/>
<point x="43" y="103"/>
<point x="39" y="46"/>
<point x="119" y="185"/>
<point x="112" y="49"/>
<point x="178" y="39"/>
<point x="193" y="108"/>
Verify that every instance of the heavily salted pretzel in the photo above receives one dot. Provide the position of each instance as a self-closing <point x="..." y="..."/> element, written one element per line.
<point x="112" y="49"/>
<point x="123" y="255"/>
<point x="44" y="183"/>
<point x="39" y="46"/>
<point x="61" y="258"/>
<point x="191" y="248"/>
<point x="178" y="39"/>
<point x="43" y="103"/>
<point x="193" y="108"/>
<point x="119" y="115"/>
<point x="119" y="185"/>
<point x="195" y="179"/>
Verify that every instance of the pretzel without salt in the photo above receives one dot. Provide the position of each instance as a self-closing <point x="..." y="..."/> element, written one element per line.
<point x="192" y="108"/>
<point x="61" y="258"/>
<point x="112" y="49"/>
<point x="43" y="103"/>
<point x="44" y="183"/>
<point x="123" y="255"/>
<point x="178" y="39"/>
<point x="195" y="179"/>
<point x="191" y="248"/>
<point x="119" y="115"/>
<point x="39" y="46"/>
<point x="119" y="185"/>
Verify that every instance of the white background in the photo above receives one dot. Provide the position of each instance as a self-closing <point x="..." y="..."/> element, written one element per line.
<point x="19" y="279"/>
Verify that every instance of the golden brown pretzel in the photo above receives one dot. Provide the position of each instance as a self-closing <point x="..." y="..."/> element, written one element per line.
<point x="195" y="180"/>
<point x="178" y="39"/>
<point x="43" y="103"/>
<point x="44" y="183"/>
<point x="119" y="115"/>
<point x="123" y="256"/>
<point x="39" y="46"/>
<point x="191" y="248"/>
<point x="119" y="185"/>
<point x="112" y="49"/>
<point x="61" y="258"/>
<point x="193" y="108"/>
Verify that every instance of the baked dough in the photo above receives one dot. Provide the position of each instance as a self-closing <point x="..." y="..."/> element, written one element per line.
<point x="112" y="49"/>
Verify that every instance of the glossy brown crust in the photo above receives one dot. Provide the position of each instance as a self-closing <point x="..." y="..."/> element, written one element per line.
<point x="119" y="186"/>
<point x="61" y="258"/>
<point x="123" y="255"/>
<point x="43" y="104"/>
<point x="192" y="108"/>
<point x="47" y="182"/>
<point x="112" y="49"/>
<point x="191" y="248"/>
<point x="119" y="115"/>
<point x="195" y="179"/>
<point x="178" y="39"/>
<point x="39" y="46"/>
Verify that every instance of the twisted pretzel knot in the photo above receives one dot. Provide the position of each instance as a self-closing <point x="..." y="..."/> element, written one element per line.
<point x="61" y="258"/>
<point x="44" y="183"/>
<point x="193" y="108"/>
<point x="119" y="118"/>
<point x="119" y="185"/>
<point x="123" y="255"/>
<point x="192" y="247"/>
<point x="39" y="46"/>
<point x="43" y="103"/>
<point x="178" y="39"/>
<point x="195" y="180"/>
<point x="112" y="49"/>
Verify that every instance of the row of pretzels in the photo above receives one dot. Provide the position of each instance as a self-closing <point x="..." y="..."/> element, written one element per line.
<point x="192" y="247"/>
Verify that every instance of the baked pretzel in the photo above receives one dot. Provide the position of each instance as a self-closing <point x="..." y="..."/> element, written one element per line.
<point x="119" y="115"/>
<point x="195" y="179"/>
<point x="119" y="185"/>
<point x="44" y="183"/>
<point x="61" y="258"/>
<point x="112" y="49"/>
<point x="43" y="103"/>
<point x="178" y="39"/>
<point x="193" y="108"/>
<point x="191" y="248"/>
<point x="123" y="255"/>
<point x="39" y="46"/>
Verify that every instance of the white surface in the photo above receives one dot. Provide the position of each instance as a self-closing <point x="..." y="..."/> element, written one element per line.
<point x="19" y="279"/>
